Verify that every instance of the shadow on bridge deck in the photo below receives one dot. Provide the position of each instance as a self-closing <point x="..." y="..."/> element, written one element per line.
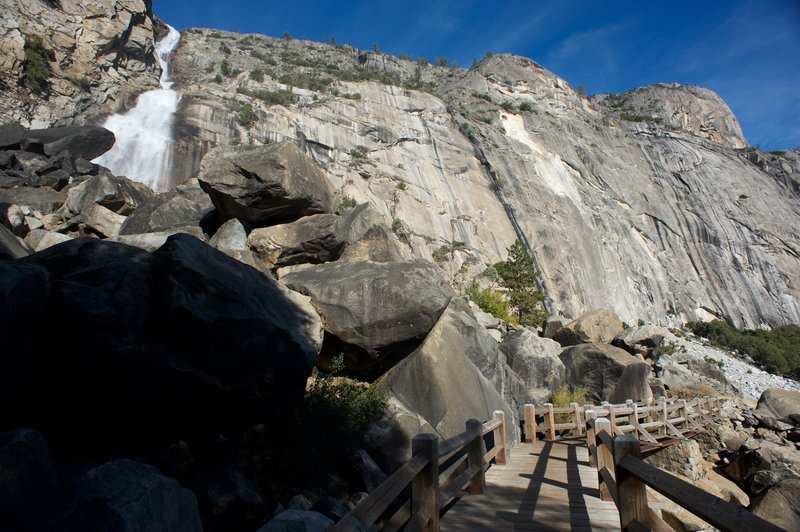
<point x="544" y="486"/>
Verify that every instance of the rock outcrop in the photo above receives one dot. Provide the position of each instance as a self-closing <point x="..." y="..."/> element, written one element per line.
<point x="100" y="55"/>
<point x="147" y="333"/>
<point x="267" y="185"/>
<point x="598" y="326"/>
<point x="374" y="306"/>
<point x="596" y="368"/>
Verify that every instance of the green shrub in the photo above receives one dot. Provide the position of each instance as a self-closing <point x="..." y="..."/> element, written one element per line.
<point x="35" y="69"/>
<point x="526" y="107"/>
<point x="397" y="225"/>
<point x="247" y="115"/>
<point x="257" y="75"/>
<point x="284" y="98"/>
<point x="491" y="301"/>
<point x="777" y="351"/>
<point x="225" y="68"/>
<point x="338" y="410"/>
<point x="565" y="396"/>
<point x="224" y="49"/>
<point x="82" y="83"/>
<point x="482" y="96"/>
<point x="348" y="202"/>
<point x="507" y="106"/>
<point x="217" y="79"/>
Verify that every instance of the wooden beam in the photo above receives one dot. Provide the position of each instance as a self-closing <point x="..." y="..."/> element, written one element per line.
<point x="500" y="437"/>
<point x="708" y="507"/>
<point x="551" y="421"/>
<point x="425" y="485"/>
<point x="475" y="452"/>
<point x="529" y="417"/>
<point x="631" y="492"/>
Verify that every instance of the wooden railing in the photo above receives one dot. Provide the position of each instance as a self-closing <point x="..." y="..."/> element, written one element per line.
<point x="623" y="476"/>
<point x="436" y="472"/>
<point x="648" y="422"/>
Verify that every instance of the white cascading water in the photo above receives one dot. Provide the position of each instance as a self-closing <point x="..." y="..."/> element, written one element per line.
<point x="144" y="134"/>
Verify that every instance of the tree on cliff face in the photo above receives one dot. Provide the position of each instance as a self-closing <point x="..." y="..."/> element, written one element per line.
<point x="518" y="275"/>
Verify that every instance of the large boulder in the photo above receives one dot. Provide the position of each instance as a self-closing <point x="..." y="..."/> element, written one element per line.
<point x="374" y="306"/>
<point x="780" y="504"/>
<point x="10" y="247"/>
<point x="310" y="240"/>
<point x="87" y="142"/>
<point x="763" y="467"/>
<point x="28" y="476"/>
<point x="440" y="383"/>
<point x="180" y="340"/>
<point x="598" y="326"/>
<point x="231" y="236"/>
<point x="24" y="299"/>
<point x="682" y="370"/>
<point x="634" y="384"/>
<point x="42" y="199"/>
<point x="118" y="194"/>
<point x="535" y="360"/>
<point x="124" y="495"/>
<point x="779" y="404"/>
<point x="368" y="238"/>
<point x="643" y="337"/>
<point x="390" y="435"/>
<point x="298" y="521"/>
<point x="11" y="136"/>
<point x="265" y="185"/>
<point x="186" y="205"/>
<point x="153" y="241"/>
<point x="596" y="368"/>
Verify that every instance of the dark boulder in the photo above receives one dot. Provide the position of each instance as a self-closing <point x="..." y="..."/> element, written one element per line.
<point x="228" y="500"/>
<point x="143" y="347"/>
<point x="186" y="205"/>
<point x="11" y="136"/>
<point x="118" y="194"/>
<point x="87" y="142"/>
<point x="780" y="504"/>
<point x="265" y="185"/>
<point x="634" y="384"/>
<point x="10" y="247"/>
<point x="125" y="495"/>
<point x="298" y="521"/>
<point x="28" y="476"/>
<point x="374" y="305"/>
<point x="596" y="368"/>
<point x="42" y="199"/>
<point x="309" y="240"/>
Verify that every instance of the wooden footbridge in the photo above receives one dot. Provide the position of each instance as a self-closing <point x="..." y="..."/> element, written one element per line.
<point x="594" y="479"/>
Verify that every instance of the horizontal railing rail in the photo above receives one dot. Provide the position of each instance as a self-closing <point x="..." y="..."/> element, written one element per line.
<point x="664" y="418"/>
<point x="436" y="473"/>
<point x="623" y="475"/>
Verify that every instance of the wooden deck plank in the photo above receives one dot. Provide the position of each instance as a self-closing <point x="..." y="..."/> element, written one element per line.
<point x="545" y="486"/>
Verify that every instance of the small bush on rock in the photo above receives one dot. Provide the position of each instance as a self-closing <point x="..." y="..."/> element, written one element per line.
<point x="36" y="69"/>
<point x="565" y="396"/>
<point x="491" y="301"/>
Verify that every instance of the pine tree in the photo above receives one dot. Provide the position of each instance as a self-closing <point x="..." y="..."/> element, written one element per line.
<point x="518" y="275"/>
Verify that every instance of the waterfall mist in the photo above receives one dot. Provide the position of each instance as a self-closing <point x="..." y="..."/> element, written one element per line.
<point x="144" y="133"/>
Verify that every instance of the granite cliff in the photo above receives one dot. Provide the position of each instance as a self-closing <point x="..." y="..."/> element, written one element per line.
<point x="648" y="202"/>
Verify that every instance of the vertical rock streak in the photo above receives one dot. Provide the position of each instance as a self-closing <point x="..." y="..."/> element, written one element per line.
<point x="144" y="133"/>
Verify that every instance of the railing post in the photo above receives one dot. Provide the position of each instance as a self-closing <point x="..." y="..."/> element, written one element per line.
<point x="633" y="417"/>
<point x="684" y="413"/>
<point x="576" y="414"/>
<point x="602" y="425"/>
<point x="662" y="415"/>
<point x="425" y="486"/>
<point x="631" y="492"/>
<point x="500" y="437"/>
<point x="591" y="436"/>
<point x="529" y="415"/>
<point x="475" y="453"/>
<point x="612" y="418"/>
<point x="551" y="421"/>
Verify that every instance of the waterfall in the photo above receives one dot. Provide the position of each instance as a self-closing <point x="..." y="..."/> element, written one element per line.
<point x="144" y="133"/>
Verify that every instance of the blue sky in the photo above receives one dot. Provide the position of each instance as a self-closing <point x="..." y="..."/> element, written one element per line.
<point x="746" y="51"/>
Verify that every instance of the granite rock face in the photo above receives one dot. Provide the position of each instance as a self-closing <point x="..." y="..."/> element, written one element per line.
<point x="683" y="222"/>
<point x="100" y="55"/>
